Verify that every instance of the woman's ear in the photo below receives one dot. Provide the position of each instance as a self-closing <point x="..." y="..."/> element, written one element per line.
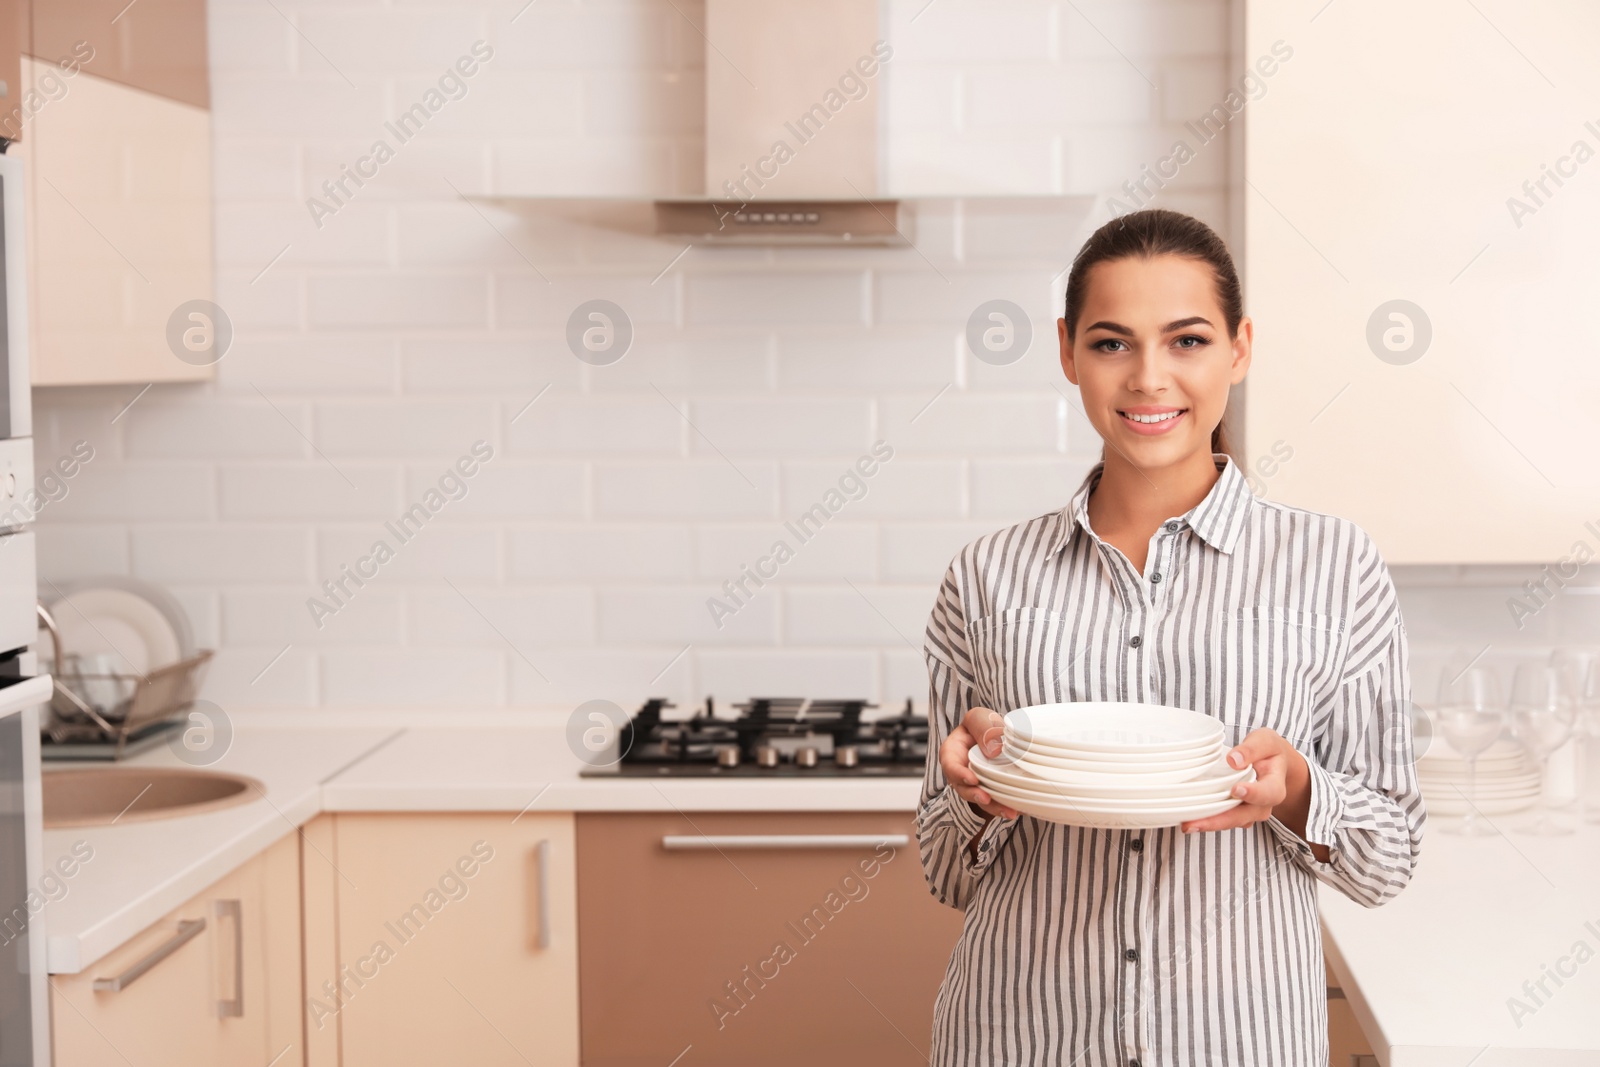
<point x="1067" y="366"/>
<point x="1243" y="341"/>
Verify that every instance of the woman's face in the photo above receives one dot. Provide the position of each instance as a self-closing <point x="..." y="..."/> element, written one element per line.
<point x="1152" y="358"/>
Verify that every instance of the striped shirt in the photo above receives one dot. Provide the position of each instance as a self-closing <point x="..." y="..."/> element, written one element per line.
<point x="1155" y="948"/>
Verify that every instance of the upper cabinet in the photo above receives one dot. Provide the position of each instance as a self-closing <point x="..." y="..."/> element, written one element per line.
<point x="1422" y="198"/>
<point x="116" y="135"/>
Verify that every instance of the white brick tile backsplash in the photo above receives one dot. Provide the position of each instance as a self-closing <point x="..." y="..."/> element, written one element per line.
<point x="436" y="551"/>
<point x="841" y="550"/>
<point x="120" y="492"/>
<point x="221" y="554"/>
<point x="695" y="490"/>
<point x="277" y="617"/>
<point x="567" y="425"/>
<point x="396" y="302"/>
<point x="601" y="553"/>
<point x="413" y="677"/>
<point x="780" y="427"/>
<point x="664" y="614"/>
<point x="1012" y="490"/>
<point x="413" y="323"/>
<point x="775" y="298"/>
<point x="403" y="428"/>
<point x="311" y="490"/>
<point x="246" y="429"/>
<point x="864" y="616"/>
<point x="522" y="621"/>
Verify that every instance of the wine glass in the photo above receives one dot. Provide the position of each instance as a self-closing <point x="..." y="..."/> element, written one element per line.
<point x="1589" y="728"/>
<point x="1568" y="772"/>
<point x="1543" y="715"/>
<point x="1471" y="716"/>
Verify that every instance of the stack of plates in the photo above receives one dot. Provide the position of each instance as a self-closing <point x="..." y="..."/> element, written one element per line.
<point x="1111" y="765"/>
<point x="1507" y="780"/>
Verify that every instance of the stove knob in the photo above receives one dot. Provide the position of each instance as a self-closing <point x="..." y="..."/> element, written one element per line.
<point x="728" y="756"/>
<point x="806" y="757"/>
<point x="766" y="756"/>
<point x="847" y="756"/>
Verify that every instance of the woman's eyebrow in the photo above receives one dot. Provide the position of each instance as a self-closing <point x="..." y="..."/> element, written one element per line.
<point x="1114" y="327"/>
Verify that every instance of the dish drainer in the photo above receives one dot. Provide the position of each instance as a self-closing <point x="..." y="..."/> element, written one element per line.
<point x="154" y="705"/>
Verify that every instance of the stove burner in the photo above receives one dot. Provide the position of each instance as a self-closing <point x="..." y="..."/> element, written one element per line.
<point x="772" y="737"/>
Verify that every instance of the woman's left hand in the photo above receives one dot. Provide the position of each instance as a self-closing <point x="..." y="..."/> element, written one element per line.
<point x="1282" y="786"/>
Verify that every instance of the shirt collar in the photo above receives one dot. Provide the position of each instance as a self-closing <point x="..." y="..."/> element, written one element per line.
<point x="1218" y="519"/>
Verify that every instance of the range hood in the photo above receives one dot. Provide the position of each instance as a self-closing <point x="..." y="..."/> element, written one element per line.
<point x="794" y="131"/>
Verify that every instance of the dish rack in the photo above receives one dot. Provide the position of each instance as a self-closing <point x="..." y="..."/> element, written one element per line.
<point x="151" y="699"/>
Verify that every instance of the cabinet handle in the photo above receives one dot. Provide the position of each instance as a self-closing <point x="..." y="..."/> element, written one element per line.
<point x="729" y="842"/>
<point x="540" y="919"/>
<point x="233" y="909"/>
<point x="188" y="930"/>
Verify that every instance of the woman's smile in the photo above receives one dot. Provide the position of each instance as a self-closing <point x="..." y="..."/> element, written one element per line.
<point x="1149" y="420"/>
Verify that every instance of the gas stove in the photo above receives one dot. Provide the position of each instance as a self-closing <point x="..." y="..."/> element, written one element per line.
<point x="771" y="737"/>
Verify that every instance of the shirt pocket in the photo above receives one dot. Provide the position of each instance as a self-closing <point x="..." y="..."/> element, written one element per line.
<point x="1271" y="667"/>
<point x="1020" y="657"/>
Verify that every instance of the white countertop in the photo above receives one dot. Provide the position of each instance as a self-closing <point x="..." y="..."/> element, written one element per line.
<point x="374" y="761"/>
<point x="1434" y="970"/>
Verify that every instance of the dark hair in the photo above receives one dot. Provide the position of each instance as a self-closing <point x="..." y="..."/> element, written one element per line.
<point x="1158" y="232"/>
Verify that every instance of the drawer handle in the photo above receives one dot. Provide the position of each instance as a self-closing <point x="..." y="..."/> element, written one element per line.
<point x="541" y="912"/>
<point x="188" y="930"/>
<point x="233" y="909"/>
<point x="750" y="842"/>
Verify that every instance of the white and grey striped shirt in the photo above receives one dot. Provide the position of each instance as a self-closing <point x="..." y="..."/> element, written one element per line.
<point x="1155" y="948"/>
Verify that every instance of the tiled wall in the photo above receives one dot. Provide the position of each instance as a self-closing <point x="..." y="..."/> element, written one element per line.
<point x="374" y="350"/>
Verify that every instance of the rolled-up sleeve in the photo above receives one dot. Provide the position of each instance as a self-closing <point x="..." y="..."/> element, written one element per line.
<point x="1365" y="804"/>
<point x="946" y="824"/>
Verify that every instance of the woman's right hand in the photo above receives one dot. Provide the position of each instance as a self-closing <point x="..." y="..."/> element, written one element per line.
<point x="981" y="726"/>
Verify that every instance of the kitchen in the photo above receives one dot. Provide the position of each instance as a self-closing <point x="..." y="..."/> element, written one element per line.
<point x="469" y="465"/>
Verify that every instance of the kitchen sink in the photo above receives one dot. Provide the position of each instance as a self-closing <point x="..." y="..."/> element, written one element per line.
<point x="100" y="796"/>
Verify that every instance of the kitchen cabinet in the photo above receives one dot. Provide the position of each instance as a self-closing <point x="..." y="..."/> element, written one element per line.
<point x="118" y="158"/>
<point x="15" y="32"/>
<point x="1419" y="265"/>
<point x="772" y="938"/>
<point x="215" y="981"/>
<point x="455" y="940"/>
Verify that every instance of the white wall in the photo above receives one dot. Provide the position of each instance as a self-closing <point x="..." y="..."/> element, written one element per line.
<point x="372" y="352"/>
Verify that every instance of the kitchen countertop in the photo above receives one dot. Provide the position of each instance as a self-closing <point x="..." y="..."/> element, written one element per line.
<point x="1433" y="973"/>
<point x="314" y="762"/>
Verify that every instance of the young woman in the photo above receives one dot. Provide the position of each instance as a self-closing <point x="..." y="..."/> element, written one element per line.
<point x="1165" y="581"/>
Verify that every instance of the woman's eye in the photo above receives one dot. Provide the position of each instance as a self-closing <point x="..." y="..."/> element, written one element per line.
<point x="1192" y="341"/>
<point x="1106" y="345"/>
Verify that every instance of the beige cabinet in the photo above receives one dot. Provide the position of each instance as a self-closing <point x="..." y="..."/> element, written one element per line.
<point x="117" y="152"/>
<point x="454" y="940"/>
<point x="1419" y="263"/>
<point x="217" y="981"/>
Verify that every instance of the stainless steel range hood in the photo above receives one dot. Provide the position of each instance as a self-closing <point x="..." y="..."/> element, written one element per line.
<point x="794" y="134"/>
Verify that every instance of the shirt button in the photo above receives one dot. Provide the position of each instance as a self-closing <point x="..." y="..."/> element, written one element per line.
<point x="1137" y="844"/>
<point x="1135" y="641"/>
<point x="1132" y="955"/>
<point x="1156" y="577"/>
<point x="1172" y="527"/>
<point x="1133" y="1063"/>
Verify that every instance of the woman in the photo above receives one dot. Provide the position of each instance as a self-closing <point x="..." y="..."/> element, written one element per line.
<point x="1165" y="581"/>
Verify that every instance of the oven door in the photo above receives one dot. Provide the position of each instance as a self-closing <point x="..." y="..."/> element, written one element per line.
<point x="24" y="993"/>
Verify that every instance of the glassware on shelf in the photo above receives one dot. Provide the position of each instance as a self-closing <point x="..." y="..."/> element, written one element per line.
<point x="1588" y="702"/>
<point x="1543" y="716"/>
<point x="1568" y="774"/>
<point x="1471" y="715"/>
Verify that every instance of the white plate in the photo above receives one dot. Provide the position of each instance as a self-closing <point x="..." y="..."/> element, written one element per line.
<point x="1215" y="776"/>
<point x="1105" y="807"/>
<point x="1095" y="765"/>
<point x="1118" y="820"/>
<point x="1111" y="726"/>
<point x="1450" y="790"/>
<point x="135" y="633"/>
